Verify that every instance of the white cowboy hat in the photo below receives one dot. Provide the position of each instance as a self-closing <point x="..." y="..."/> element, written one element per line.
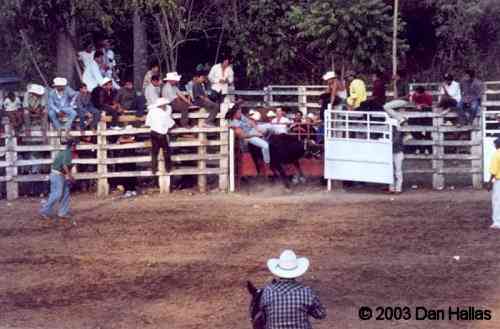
<point x="104" y="81"/>
<point x="311" y="116"/>
<point x="159" y="102"/>
<point x="329" y="75"/>
<point x="288" y="266"/>
<point x="172" y="76"/>
<point x="60" y="82"/>
<point x="36" y="89"/>
<point x="254" y="115"/>
<point x="271" y="114"/>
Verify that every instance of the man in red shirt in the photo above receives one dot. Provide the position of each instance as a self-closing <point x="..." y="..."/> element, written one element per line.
<point x="421" y="98"/>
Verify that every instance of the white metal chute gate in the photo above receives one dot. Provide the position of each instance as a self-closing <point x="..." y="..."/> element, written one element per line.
<point x="491" y="131"/>
<point x="358" y="147"/>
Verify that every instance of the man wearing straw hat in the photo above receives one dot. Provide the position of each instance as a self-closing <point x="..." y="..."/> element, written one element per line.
<point x="176" y="99"/>
<point x="286" y="302"/>
<point x="35" y="104"/>
<point x="60" y="100"/>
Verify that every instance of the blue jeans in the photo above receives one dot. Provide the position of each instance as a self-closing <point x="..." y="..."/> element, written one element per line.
<point x="96" y="115"/>
<point x="59" y="192"/>
<point x="55" y="120"/>
<point x="470" y="110"/>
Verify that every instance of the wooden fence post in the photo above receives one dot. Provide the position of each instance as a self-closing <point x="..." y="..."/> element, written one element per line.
<point x="224" y="151"/>
<point x="11" y="158"/>
<point x="232" y="161"/>
<point x="477" y="153"/>
<point x="437" y="152"/>
<point x="163" y="177"/>
<point x="202" y="152"/>
<point x="102" y="156"/>
<point x="302" y="100"/>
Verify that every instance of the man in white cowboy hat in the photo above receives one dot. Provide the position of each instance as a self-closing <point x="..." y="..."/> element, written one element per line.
<point x="286" y="302"/>
<point x="60" y="100"/>
<point x="335" y="94"/>
<point x="35" y="105"/>
<point x="176" y="99"/>
<point x="159" y="119"/>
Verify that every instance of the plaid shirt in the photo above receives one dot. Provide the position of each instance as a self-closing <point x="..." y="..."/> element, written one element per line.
<point x="287" y="304"/>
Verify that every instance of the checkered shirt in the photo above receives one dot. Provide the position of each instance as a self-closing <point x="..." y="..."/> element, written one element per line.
<point x="287" y="304"/>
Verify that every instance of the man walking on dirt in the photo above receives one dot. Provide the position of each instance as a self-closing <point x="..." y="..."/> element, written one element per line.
<point x="285" y="301"/>
<point x="494" y="184"/>
<point x="60" y="178"/>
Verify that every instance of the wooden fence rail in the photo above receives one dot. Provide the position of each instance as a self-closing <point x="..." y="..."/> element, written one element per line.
<point x="199" y="152"/>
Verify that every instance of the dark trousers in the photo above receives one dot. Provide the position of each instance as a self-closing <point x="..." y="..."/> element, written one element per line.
<point x="96" y="115"/>
<point x="212" y="108"/>
<point x="139" y="105"/>
<point x="159" y="141"/>
<point x="179" y="106"/>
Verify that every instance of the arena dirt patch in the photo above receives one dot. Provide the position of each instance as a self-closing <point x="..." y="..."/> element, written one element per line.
<point x="181" y="261"/>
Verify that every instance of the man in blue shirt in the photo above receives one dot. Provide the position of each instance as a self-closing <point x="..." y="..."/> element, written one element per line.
<point x="60" y="101"/>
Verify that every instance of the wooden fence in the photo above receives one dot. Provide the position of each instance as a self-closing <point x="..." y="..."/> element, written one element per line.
<point x="199" y="152"/>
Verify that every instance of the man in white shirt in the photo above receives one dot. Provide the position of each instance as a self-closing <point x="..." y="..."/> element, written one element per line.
<point x="280" y="123"/>
<point x="221" y="77"/>
<point x="152" y="91"/>
<point x="450" y="96"/>
<point x="175" y="98"/>
<point x="159" y="119"/>
<point x="92" y="75"/>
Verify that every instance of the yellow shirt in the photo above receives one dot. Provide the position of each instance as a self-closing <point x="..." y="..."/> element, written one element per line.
<point x="495" y="165"/>
<point x="357" y="93"/>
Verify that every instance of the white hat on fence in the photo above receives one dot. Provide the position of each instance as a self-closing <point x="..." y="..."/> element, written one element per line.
<point x="158" y="103"/>
<point x="254" y="115"/>
<point x="173" y="76"/>
<point x="60" y="82"/>
<point x="288" y="266"/>
<point x="104" y="81"/>
<point x="329" y="75"/>
<point x="271" y="114"/>
<point x="36" y="89"/>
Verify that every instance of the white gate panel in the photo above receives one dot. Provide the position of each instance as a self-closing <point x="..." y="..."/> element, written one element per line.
<point x="491" y="131"/>
<point x="358" y="147"/>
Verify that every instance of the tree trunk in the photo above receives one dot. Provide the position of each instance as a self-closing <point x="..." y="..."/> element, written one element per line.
<point x="65" y="57"/>
<point x="140" y="49"/>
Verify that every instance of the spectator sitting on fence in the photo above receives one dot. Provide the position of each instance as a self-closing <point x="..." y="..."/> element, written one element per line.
<point x="103" y="98"/>
<point x="177" y="100"/>
<point x="280" y="122"/>
<point x="376" y="101"/>
<point x="450" y="97"/>
<point x="402" y="98"/>
<point x="287" y="303"/>
<point x="84" y="106"/>
<point x="357" y="91"/>
<point x="13" y="111"/>
<point x="248" y="130"/>
<point x="421" y="98"/>
<point x="154" y="69"/>
<point x="153" y="90"/>
<point x="200" y="98"/>
<point x="472" y="91"/>
<point x="129" y="100"/>
<point x="92" y="75"/>
<point x="221" y="77"/>
<point x="159" y="119"/>
<point x="60" y="179"/>
<point x="35" y="106"/>
<point x="334" y="95"/>
<point x="60" y="102"/>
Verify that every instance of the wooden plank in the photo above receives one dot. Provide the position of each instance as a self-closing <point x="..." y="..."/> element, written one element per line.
<point x="202" y="151"/>
<point x="464" y="157"/>
<point x="102" y="155"/>
<point x="437" y="152"/>
<point x="232" y="161"/>
<point x="224" y="150"/>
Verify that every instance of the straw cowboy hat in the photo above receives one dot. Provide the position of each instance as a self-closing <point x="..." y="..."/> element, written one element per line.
<point x="271" y="114"/>
<point x="288" y="266"/>
<point x="329" y="75"/>
<point x="172" y="76"/>
<point x="104" y="81"/>
<point x="254" y="115"/>
<point x="36" y="89"/>
<point x="60" y="82"/>
<point x="158" y="103"/>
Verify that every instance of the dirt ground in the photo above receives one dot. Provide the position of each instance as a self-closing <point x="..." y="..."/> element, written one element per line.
<point x="181" y="261"/>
